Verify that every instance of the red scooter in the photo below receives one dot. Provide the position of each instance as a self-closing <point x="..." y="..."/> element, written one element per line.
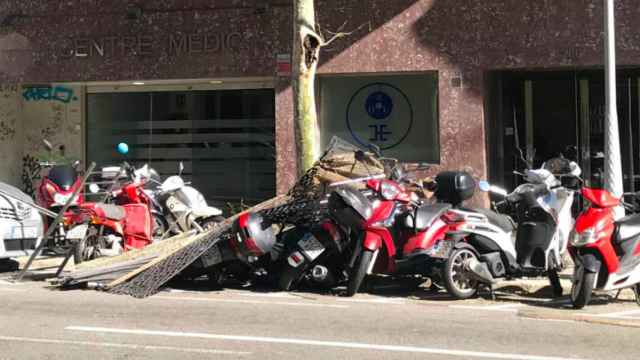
<point x="101" y="229"/>
<point x="606" y="252"/>
<point x="399" y="235"/>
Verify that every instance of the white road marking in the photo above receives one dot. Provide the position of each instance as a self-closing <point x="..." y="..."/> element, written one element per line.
<point x="260" y="302"/>
<point x="618" y="315"/>
<point x="320" y="343"/>
<point x="123" y="346"/>
<point x="505" y="307"/>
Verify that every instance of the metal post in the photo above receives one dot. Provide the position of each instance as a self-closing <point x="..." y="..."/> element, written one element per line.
<point x="613" y="163"/>
<point x="54" y="223"/>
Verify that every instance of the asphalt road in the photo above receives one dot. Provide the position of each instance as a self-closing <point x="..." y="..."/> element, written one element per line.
<point x="41" y="323"/>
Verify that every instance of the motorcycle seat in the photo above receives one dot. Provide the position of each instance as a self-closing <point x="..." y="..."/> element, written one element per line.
<point x="425" y="215"/>
<point x="626" y="228"/>
<point x="110" y="211"/>
<point x="502" y="221"/>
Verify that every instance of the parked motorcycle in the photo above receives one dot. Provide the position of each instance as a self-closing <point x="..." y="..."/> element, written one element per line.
<point x="397" y="232"/>
<point x="184" y="207"/>
<point x="58" y="182"/>
<point x="606" y="252"/>
<point x="125" y="222"/>
<point x="318" y="255"/>
<point x="544" y="221"/>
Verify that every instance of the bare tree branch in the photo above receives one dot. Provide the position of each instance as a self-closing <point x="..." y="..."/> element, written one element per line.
<point x="340" y="34"/>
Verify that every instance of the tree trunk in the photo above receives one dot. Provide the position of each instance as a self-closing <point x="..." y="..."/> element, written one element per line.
<point x="306" y="48"/>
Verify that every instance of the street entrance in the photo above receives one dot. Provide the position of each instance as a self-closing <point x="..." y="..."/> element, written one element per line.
<point x="547" y="112"/>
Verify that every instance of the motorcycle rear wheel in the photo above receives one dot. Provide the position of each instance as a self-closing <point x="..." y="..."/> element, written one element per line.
<point x="360" y="271"/>
<point x="455" y="281"/>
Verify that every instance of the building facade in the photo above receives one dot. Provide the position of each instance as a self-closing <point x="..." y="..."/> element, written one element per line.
<point x="453" y="84"/>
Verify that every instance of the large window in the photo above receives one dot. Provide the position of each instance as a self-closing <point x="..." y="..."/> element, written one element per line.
<point x="225" y="138"/>
<point x="398" y="113"/>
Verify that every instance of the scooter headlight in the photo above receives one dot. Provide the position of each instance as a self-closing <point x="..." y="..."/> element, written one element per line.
<point x="587" y="236"/>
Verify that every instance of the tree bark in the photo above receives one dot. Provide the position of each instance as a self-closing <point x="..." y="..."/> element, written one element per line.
<point x="306" y="49"/>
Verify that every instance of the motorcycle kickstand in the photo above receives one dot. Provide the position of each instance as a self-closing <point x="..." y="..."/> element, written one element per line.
<point x="618" y="295"/>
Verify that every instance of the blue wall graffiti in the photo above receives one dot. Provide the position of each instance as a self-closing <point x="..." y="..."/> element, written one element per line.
<point x="55" y="93"/>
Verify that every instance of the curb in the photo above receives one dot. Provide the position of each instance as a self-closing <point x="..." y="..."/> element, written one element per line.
<point x="532" y="314"/>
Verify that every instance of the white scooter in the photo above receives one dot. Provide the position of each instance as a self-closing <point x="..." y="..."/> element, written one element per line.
<point x="184" y="207"/>
<point x="544" y="223"/>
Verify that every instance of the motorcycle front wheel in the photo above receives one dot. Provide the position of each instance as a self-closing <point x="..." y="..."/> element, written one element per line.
<point x="87" y="248"/>
<point x="359" y="272"/>
<point x="582" y="288"/>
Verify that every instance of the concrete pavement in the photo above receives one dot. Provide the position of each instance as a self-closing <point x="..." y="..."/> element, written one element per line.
<point x="43" y="323"/>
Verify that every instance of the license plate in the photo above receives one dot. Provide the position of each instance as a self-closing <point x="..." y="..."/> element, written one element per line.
<point x="212" y="256"/>
<point x="77" y="233"/>
<point x="311" y="246"/>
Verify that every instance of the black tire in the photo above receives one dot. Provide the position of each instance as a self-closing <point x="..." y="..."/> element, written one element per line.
<point x="359" y="272"/>
<point x="554" y="280"/>
<point x="453" y="274"/>
<point x="582" y="287"/>
<point x="290" y="277"/>
<point x="210" y="222"/>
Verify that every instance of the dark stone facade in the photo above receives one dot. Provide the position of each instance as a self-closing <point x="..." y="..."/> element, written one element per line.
<point x="99" y="40"/>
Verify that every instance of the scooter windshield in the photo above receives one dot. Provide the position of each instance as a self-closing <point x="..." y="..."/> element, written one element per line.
<point x="63" y="175"/>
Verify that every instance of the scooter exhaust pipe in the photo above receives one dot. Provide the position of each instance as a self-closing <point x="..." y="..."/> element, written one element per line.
<point x="479" y="271"/>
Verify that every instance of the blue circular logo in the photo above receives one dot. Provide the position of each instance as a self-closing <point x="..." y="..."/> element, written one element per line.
<point x="378" y="105"/>
<point x="374" y="102"/>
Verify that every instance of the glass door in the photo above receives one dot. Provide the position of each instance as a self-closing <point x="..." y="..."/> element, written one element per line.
<point x="592" y="118"/>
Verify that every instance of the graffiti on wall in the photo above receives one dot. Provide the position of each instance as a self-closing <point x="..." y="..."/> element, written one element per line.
<point x="56" y="93"/>
<point x="7" y="131"/>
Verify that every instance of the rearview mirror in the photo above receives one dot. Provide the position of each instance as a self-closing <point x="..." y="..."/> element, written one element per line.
<point x="180" y="168"/>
